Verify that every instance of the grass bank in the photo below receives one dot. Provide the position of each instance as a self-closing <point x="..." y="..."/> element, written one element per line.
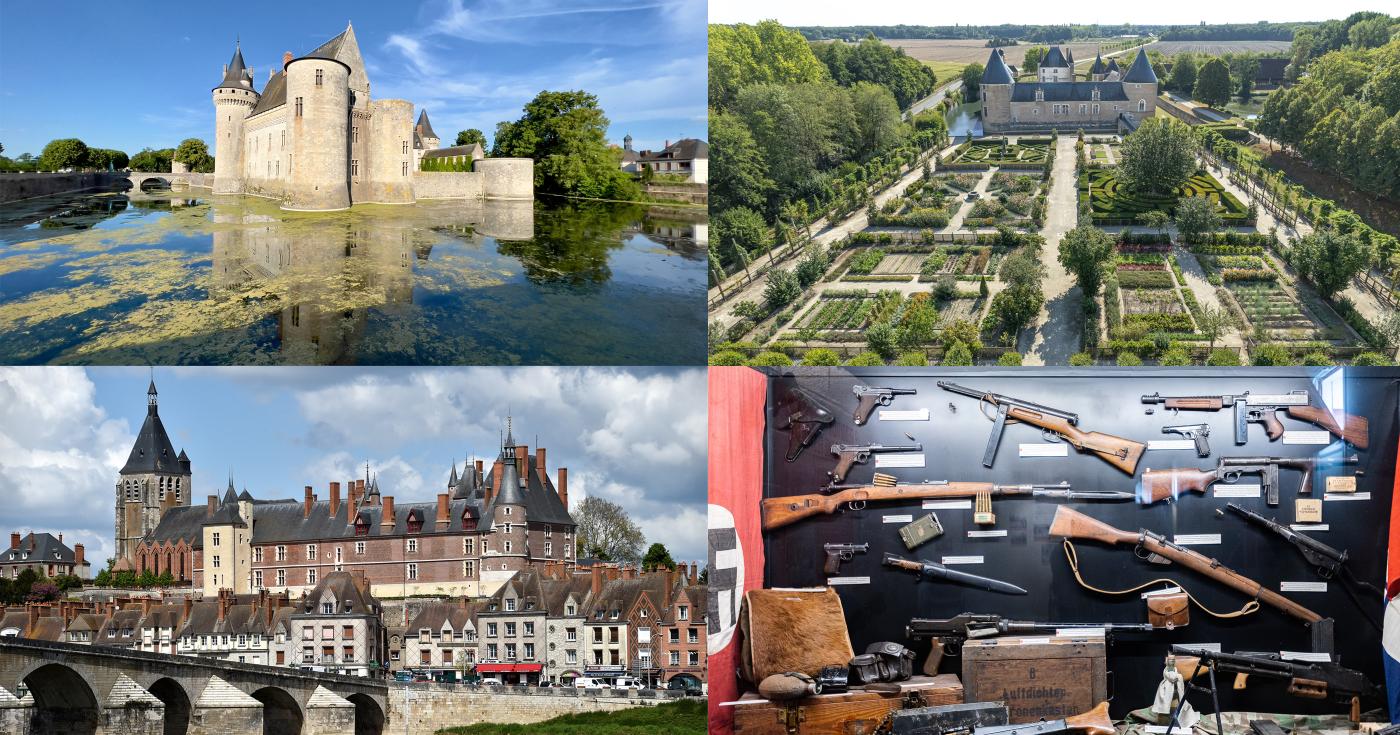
<point x="685" y="717"/>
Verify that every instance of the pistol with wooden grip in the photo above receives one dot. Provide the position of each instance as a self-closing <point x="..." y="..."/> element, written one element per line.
<point x="848" y="455"/>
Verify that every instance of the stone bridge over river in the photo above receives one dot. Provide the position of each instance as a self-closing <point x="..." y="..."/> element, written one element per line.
<point x="48" y="687"/>
<point x="140" y="179"/>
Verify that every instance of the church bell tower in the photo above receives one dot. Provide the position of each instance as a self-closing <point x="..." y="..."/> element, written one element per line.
<point x="153" y="480"/>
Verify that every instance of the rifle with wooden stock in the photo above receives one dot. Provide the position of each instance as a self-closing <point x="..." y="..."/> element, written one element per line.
<point x="1071" y="524"/>
<point x="1115" y="450"/>
<point x="1265" y="409"/>
<point x="784" y="511"/>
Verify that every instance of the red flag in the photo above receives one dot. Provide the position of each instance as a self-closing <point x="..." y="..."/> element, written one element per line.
<point x="735" y="535"/>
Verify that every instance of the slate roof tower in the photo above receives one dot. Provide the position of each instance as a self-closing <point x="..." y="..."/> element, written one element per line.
<point x="153" y="480"/>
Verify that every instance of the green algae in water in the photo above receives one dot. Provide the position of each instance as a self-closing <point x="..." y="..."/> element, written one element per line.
<point x="141" y="279"/>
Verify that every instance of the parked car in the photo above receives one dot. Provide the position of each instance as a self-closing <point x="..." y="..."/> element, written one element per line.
<point x="402" y="676"/>
<point x="584" y="682"/>
<point x="689" y="686"/>
<point x="627" y="682"/>
<point x="973" y="196"/>
<point x="546" y="684"/>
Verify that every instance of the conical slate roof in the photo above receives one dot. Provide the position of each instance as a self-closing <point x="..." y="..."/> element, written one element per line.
<point x="235" y="76"/>
<point x="424" y="127"/>
<point x="1113" y="65"/>
<point x="510" y="486"/>
<point x="152" y="451"/>
<point x="230" y="495"/>
<point x="996" y="71"/>
<point x="1054" y="58"/>
<point x="1141" y="71"/>
<point x="1098" y="67"/>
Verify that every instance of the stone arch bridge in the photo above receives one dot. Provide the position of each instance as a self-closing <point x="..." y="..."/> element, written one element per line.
<point x="48" y="687"/>
<point x="141" y="179"/>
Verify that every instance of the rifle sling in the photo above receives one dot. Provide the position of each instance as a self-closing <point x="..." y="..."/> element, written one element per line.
<point x="1073" y="556"/>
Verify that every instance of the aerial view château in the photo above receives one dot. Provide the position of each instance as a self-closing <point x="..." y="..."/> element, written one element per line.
<point x="1108" y="100"/>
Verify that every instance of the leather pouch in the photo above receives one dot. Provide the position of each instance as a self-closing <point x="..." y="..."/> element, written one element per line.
<point x="1169" y="611"/>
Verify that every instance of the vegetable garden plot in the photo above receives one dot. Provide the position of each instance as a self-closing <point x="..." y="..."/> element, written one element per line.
<point x="960" y="260"/>
<point x="840" y="312"/>
<point x="1111" y="201"/>
<point x="1269" y="306"/>
<point x="900" y="263"/>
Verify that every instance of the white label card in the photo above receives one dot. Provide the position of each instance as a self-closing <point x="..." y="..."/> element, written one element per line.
<point x="1044" y="450"/>
<point x="847" y="580"/>
<point x="899" y="519"/>
<point x="1302" y="586"/>
<point x="1171" y="444"/>
<point x="1033" y="641"/>
<point x="899" y="459"/>
<point x="1347" y="496"/>
<point x="1286" y="399"/>
<point x="1310" y="527"/>
<point x="1080" y="632"/>
<point x="1343" y="484"/>
<point x="1307" y="437"/>
<point x="947" y="505"/>
<point x="914" y="415"/>
<point x="1305" y="656"/>
<point x="1197" y="539"/>
<point x="949" y="560"/>
<point x="987" y="534"/>
<point x="1242" y="490"/>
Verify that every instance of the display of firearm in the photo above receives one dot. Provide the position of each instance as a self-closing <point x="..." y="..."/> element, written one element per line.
<point x="852" y="454"/>
<point x="1264" y="409"/>
<point x="868" y="397"/>
<point x="1169" y="484"/>
<point x="948" y="635"/>
<point x="837" y="553"/>
<point x="1071" y="524"/>
<point x="1194" y="432"/>
<point x="1311" y="680"/>
<point x="783" y="511"/>
<point x="931" y="570"/>
<point x="1115" y="450"/>
<point x="1093" y="722"/>
<point x="1329" y="562"/>
<point x="802" y="420"/>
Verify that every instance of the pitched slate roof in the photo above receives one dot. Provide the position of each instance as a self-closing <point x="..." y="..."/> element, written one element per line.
<point x="434" y="614"/>
<point x="996" y="71"/>
<point x="1113" y="65"/>
<point x="274" y="94"/>
<point x="1069" y="91"/>
<point x="474" y="150"/>
<point x="542" y="503"/>
<point x="424" y="127"/>
<point x="341" y="586"/>
<point x="46" y="548"/>
<point x="152" y="451"/>
<point x="180" y="522"/>
<point x="686" y="149"/>
<point x="1054" y="58"/>
<point x="1141" y="71"/>
<point x="329" y="49"/>
<point x="1098" y="67"/>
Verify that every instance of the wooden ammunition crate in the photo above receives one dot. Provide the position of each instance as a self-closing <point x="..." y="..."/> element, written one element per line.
<point x="1038" y="678"/>
<point x="851" y="713"/>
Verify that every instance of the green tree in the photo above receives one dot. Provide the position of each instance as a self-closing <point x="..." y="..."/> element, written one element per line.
<point x="1086" y="252"/>
<point x="882" y="340"/>
<point x="1212" y="323"/>
<point x="1156" y="219"/>
<point x="1183" y="76"/>
<point x="972" y="80"/>
<point x="729" y="358"/>
<point x="657" y="556"/>
<point x="1159" y="156"/>
<point x="1031" y="63"/>
<point x="821" y="356"/>
<point x="742" y="227"/>
<point x="771" y="358"/>
<point x="1195" y="216"/>
<point x="605" y="530"/>
<point x="958" y="354"/>
<point x="917" y="326"/>
<point x="1244" y="79"/>
<point x="1223" y="357"/>
<point x="1128" y="359"/>
<point x="470" y="136"/>
<point x="63" y="153"/>
<point x="1330" y="259"/>
<point x="565" y="134"/>
<point x="194" y="153"/>
<point x="1175" y="357"/>
<point x="781" y="289"/>
<point x="1213" y="83"/>
<point x="1371" y="32"/>
<point x="878" y="124"/>
<point x="1009" y="359"/>
<point x="737" y="178"/>
<point x="913" y="358"/>
<point x="866" y="359"/>
<point x="961" y="330"/>
<point x="742" y="55"/>
<point x="1270" y="354"/>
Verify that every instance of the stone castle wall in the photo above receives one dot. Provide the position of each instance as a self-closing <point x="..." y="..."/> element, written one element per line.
<point x="507" y="178"/>
<point x="14" y="187"/>
<point x="449" y="184"/>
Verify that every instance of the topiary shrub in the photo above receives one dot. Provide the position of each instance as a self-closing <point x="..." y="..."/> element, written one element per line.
<point x="1081" y="359"/>
<point x="1223" y="357"/>
<point x="1009" y="359"/>
<point x="1128" y="359"/>
<point x="821" y="356"/>
<point x="958" y="354"/>
<point x="866" y="359"/>
<point x="771" y="359"/>
<point x="729" y="357"/>
<point x="1271" y="354"/>
<point x="916" y="358"/>
<point x="1317" y="359"/>
<point x="1175" y="357"/>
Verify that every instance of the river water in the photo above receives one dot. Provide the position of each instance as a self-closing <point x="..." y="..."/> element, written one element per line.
<point x="179" y="278"/>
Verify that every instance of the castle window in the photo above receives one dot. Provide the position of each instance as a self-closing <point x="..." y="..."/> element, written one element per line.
<point x="311" y="552"/>
<point x="257" y="555"/>
<point x="311" y="576"/>
<point x="298" y="107"/>
<point x="405" y="168"/>
<point x="412" y="571"/>
<point x="318" y="77"/>
<point x="1096" y="109"/>
<point x="216" y="538"/>
<point x="507" y="547"/>
<point x="281" y="553"/>
<point x="415" y="524"/>
<point x="281" y="577"/>
<point x="413" y="545"/>
<point x="354" y="167"/>
<point x="548" y="548"/>
<point x="405" y="147"/>
<point x="355" y="133"/>
<point x="1083" y="108"/>
<point x="468" y="569"/>
<point x="360" y="548"/>
<point x="1142" y="105"/>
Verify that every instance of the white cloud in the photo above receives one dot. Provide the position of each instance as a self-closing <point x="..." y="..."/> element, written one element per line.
<point x="396" y="476"/>
<point x="58" y="455"/>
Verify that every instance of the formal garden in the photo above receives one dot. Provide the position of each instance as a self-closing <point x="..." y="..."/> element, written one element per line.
<point x="1000" y="151"/>
<point x="1112" y="202"/>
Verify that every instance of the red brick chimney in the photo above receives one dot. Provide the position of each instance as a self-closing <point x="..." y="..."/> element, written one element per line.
<point x="358" y="495"/>
<point x="286" y="59"/>
<point x="479" y="466"/>
<point x="335" y="498"/>
<point x="443" y="518"/>
<point x="78" y="557"/>
<point x="683" y="568"/>
<point x="145" y="606"/>
<point x="670" y="583"/>
<point x="33" y="618"/>
<point x="522" y="454"/>
<point x="189" y="607"/>
<point x="387" y="517"/>
<point x="223" y="606"/>
<point x="629" y="572"/>
<point x="306" y="503"/>
<point x="563" y="486"/>
<point x="597" y="571"/>
<point x="209" y="511"/>
<point x="14" y="539"/>
<point x="695" y="573"/>
<point x="539" y="461"/>
<point x="353" y="500"/>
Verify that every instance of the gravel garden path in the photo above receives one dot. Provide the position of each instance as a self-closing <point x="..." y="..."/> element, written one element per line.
<point x="1056" y="333"/>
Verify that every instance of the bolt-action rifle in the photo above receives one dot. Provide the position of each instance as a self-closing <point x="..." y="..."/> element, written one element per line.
<point x="1307" y="679"/>
<point x="783" y="511"/>
<point x="1169" y="484"/>
<point x="1265" y="409"/>
<point x="1053" y="423"/>
<point x="853" y="454"/>
<point x="949" y="634"/>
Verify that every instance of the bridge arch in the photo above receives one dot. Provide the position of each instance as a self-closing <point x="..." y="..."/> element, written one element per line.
<point x="369" y="716"/>
<point x="64" y="700"/>
<point x="177" y="705"/>
<point x="281" y="713"/>
<point x="146" y="184"/>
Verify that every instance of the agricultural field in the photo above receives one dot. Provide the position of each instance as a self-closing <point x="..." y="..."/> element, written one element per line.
<point x="1215" y="48"/>
<point x="838" y="311"/>
<point x="1112" y="203"/>
<point x="964" y="51"/>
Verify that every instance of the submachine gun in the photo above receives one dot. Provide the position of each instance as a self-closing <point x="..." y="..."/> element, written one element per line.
<point x="1265" y="409"/>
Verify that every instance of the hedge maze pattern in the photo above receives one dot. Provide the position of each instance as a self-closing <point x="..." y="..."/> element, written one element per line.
<point x="1110" y="199"/>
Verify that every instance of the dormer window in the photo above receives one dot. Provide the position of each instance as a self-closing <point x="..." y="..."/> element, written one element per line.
<point x="1040" y="95"/>
<point x="415" y="524"/>
<point x="328" y="608"/>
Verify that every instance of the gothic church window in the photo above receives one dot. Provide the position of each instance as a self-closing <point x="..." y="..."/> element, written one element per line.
<point x="1142" y="105"/>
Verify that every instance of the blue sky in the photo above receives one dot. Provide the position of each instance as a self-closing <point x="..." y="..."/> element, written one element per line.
<point x="139" y="74"/>
<point x="634" y="436"/>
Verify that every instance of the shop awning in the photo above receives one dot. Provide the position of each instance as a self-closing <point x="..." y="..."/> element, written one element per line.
<point x="509" y="668"/>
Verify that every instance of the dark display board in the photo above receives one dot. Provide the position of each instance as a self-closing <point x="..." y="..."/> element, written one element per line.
<point x="1106" y="400"/>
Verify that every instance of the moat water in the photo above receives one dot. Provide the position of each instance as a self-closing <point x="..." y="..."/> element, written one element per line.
<point x="186" y="278"/>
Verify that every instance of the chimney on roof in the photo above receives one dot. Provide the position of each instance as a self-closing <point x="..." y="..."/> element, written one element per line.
<point x="563" y="486"/>
<point x="353" y="500"/>
<point x="629" y="572"/>
<point x="14" y="539"/>
<point x="223" y="606"/>
<point x="306" y="503"/>
<point x="33" y="542"/>
<point x="145" y="606"/>
<point x="694" y="573"/>
<point x="269" y="608"/>
<point x="597" y="572"/>
<point x="683" y="567"/>
<point x="539" y="460"/>
<point x="78" y="555"/>
<point x="60" y="537"/>
<point x="359" y="492"/>
<point x="443" y="518"/>
<point x="33" y="619"/>
<point x="286" y="58"/>
<point x="209" y="509"/>
<point x="335" y="498"/>
<point x="521" y="460"/>
<point x="479" y="466"/>
<point x="670" y="583"/>
<point x="189" y="607"/>
<point x="387" y="516"/>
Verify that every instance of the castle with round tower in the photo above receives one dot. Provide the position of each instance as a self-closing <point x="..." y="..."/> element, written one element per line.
<point x="1108" y="99"/>
<point x="315" y="140"/>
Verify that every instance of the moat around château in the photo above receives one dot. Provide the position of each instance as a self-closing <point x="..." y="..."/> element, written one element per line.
<point x="187" y="278"/>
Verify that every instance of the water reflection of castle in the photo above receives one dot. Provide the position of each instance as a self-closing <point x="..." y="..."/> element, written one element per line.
<point x="331" y="273"/>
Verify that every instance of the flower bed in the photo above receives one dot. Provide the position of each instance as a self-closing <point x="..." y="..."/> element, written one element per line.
<point x="842" y="312"/>
<point x="997" y="151"/>
<point x="1111" y="203"/>
<point x="1159" y="278"/>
